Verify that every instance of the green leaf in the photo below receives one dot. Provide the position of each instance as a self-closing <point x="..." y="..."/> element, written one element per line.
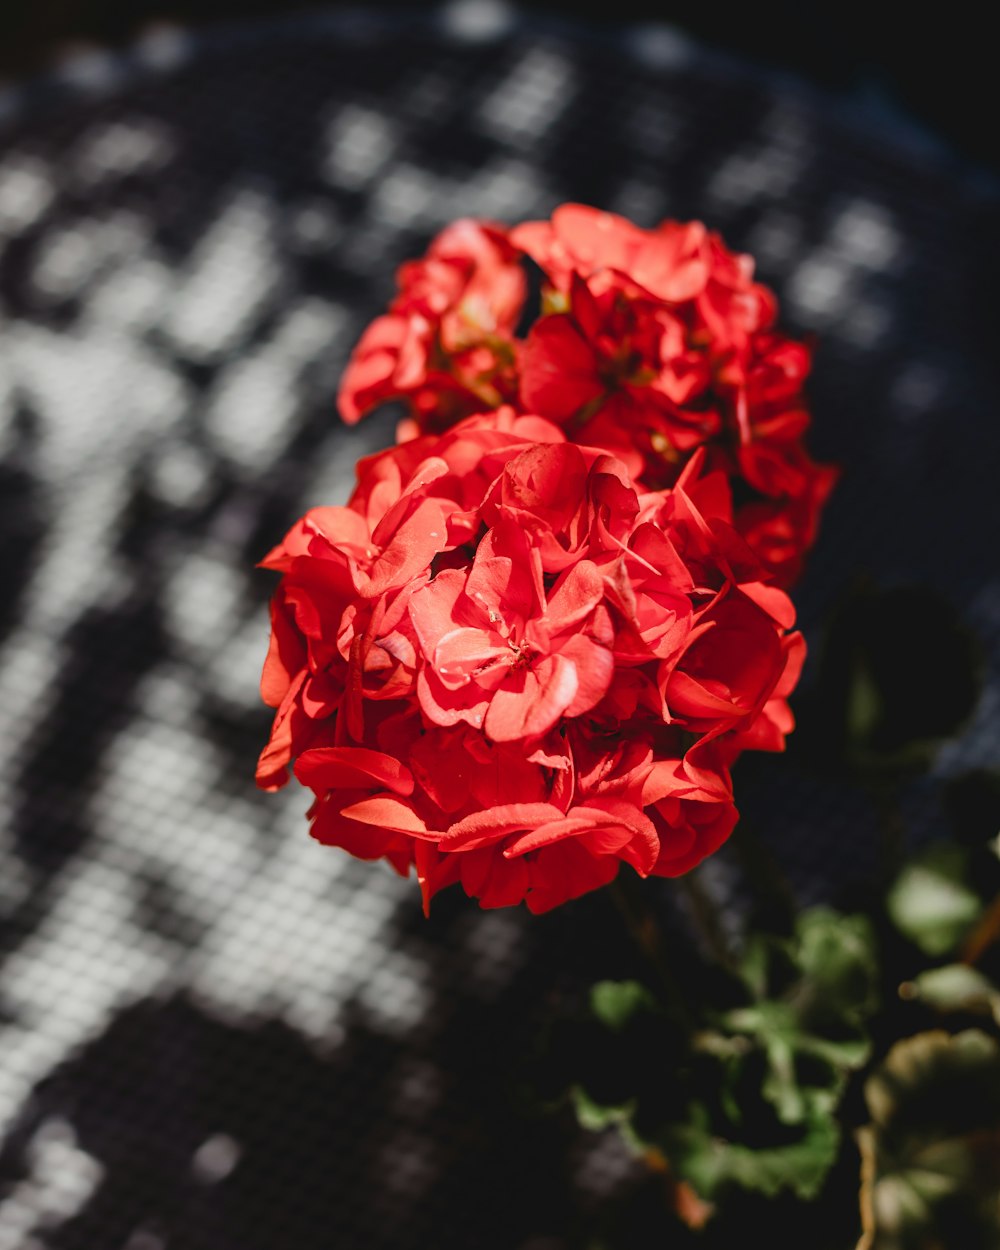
<point x="930" y="902"/>
<point x="617" y="1003"/>
<point x="931" y="1154"/>
<point x="595" y="1117"/>
<point x="836" y="954"/>
<point x="750" y="1099"/>
<point x="712" y="1163"/>
<point x="779" y="1064"/>
<point x="821" y="984"/>
<point x="955" y="987"/>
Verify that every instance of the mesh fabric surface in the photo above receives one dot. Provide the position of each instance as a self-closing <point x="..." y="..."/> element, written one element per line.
<point x="213" y="1032"/>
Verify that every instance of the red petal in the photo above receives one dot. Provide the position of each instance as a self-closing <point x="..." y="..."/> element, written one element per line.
<point x="464" y="654"/>
<point x="558" y="369"/>
<point x="286" y="655"/>
<point x="566" y="871"/>
<point x="535" y="239"/>
<point x="594" y="238"/>
<point x="775" y="602"/>
<point x="332" y="768"/>
<point x="530" y="702"/>
<point x="289" y="722"/>
<point x="682" y="779"/>
<point x="434" y="870"/>
<point x="794" y="646"/>
<point x="490" y="878"/>
<point x="669" y="264"/>
<point x="484" y="827"/>
<point x="577" y="821"/>
<point x="689" y="698"/>
<point x="574" y="597"/>
<point x="389" y="813"/>
<point x="595" y="668"/>
<point x="447" y="707"/>
<point x="414" y="545"/>
<point x="433" y="609"/>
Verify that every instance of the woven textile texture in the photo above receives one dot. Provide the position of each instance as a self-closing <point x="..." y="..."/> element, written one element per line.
<point x="215" y="1034"/>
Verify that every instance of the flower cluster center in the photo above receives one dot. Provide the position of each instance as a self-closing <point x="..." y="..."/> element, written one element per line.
<point x="521" y="653"/>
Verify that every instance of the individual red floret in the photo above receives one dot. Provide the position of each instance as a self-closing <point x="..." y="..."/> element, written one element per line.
<point x="446" y="344"/>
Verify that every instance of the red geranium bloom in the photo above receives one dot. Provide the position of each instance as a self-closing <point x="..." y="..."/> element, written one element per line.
<point x="649" y="345"/>
<point x="507" y="666"/>
<point x="660" y="342"/>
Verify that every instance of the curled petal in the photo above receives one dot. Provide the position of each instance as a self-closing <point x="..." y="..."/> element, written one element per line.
<point x="290" y="725"/>
<point x="286" y="656"/>
<point x="484" y="827"/>
<point x="388" y="812"/>
<point x="331" y="768"/>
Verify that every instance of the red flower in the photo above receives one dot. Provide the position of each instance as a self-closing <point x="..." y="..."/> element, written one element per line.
<point x="502" y="654"/>
<point x="650" y="344"/>
<point x="446" y="343"/>
<point x="505" y="665"/>
<point x="661" y="342"/>
<point x="617" y="365"/>
<point x="691" y="805"/>
<point x="678" y="265"/>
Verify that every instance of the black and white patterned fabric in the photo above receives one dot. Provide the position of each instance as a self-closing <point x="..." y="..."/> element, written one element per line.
<point x="215" y="1033"/>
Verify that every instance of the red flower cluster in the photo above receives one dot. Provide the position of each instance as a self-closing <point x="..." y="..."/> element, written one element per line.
<point x="650" y="344"/>
<point x="504" y="662"/>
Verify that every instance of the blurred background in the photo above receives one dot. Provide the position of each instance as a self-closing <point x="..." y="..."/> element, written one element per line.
<point x="931" y="69"/>
<point x="214" y="1033"/>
